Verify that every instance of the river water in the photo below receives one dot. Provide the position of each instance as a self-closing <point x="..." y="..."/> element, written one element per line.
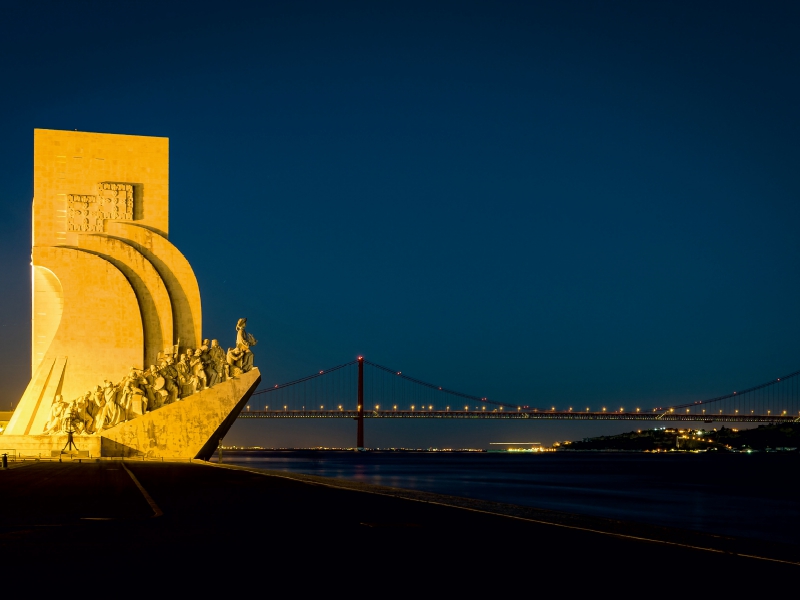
<point x="741" y="495"/>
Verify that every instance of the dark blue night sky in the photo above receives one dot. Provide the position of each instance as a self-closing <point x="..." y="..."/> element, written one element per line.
<point x="543" y="203"/>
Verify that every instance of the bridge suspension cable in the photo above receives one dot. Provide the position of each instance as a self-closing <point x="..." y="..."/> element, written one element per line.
<point x="438" y="388"/>
<point x="304" y="379"/>
<point x="741" y="394"/>
<point x="389" y="392"/>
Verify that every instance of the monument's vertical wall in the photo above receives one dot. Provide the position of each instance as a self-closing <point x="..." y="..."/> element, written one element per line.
<point x="69" y="163"/>
<point x="109" y="290"/>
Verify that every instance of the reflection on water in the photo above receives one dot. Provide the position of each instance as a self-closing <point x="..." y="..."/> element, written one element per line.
<point x="733" y="494"/>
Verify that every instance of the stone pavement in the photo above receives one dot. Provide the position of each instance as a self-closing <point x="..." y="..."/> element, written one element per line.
<point x="162" y="518"/>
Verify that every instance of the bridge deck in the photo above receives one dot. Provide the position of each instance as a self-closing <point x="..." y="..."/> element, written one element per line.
<point x="508" y="414"/>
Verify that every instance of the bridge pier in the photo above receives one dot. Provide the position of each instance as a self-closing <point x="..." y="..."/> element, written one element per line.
<point x="360" y="417"/>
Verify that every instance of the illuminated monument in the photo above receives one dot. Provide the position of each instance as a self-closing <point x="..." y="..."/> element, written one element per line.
<point x="117" y="354"/>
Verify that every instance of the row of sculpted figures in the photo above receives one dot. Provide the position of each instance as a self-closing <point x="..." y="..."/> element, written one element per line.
<point x="143" y="391"/>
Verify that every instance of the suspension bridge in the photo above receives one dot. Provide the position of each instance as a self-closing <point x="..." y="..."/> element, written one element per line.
<point x="361" y="389"/>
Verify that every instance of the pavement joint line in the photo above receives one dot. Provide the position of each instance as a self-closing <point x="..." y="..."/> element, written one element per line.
<point x="157" y="512"/>
<point x="526" y="519"/>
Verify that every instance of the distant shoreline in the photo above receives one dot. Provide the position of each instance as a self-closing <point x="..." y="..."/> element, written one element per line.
<point x="319" y="449"/>
<point x="481" y="451"/>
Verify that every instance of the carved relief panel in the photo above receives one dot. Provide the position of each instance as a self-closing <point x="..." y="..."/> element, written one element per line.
<point x="114" y="200"/>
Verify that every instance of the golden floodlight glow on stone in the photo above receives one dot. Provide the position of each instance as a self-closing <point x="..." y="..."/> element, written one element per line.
<point x="116" y="310"/>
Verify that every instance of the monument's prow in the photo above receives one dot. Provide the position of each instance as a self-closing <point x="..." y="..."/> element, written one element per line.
<point x="117" y="351"/>
<point x="190" y="428"/>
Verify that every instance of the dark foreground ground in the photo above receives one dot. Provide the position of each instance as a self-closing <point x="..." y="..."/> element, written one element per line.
<point x="200" y="526"/>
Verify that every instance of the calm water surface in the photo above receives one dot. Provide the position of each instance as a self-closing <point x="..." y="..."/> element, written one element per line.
<point x="734" y="494"/>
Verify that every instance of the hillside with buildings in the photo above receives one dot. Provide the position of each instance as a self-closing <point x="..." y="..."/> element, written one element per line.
<point x="784" y="437"/>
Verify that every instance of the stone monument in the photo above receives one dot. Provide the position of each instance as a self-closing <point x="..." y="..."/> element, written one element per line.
<point x="118" y="361"/>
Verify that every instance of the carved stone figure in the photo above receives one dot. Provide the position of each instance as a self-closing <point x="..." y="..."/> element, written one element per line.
<point x="216" y="357"/>
<point x="150" y="377"/>
<point x="170" y="375"/>
<point x="212" y="375"/>
<point x="99" y="401"/>
<point x="247" y="361"/>
<point x="84" y="420"/>
<point x="53" y="424"/>
<point x="112" y="414"/>
<point x="124" y="399"/>
<point x="198" y="372"/>
<point x="234" y="358"/>
<point x="186" y="381"/>
<point x="244" y="341"/>
<point x="132" y="397"/>
<point x="91" y="407"/>
<point x="141" y="383"/>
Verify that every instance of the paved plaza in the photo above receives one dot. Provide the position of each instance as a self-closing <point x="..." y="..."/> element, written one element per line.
<point x="190" y="514"/>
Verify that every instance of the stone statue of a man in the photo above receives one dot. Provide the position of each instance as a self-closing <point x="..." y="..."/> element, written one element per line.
<point x="244" y="341"/>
